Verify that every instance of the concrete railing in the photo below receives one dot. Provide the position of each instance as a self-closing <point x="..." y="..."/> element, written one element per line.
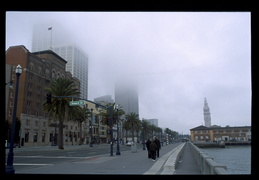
<point x="172" y="160"/>
<point x="206" y="163"/>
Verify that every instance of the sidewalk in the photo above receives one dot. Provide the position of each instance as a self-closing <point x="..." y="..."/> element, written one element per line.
<point x="187" y="164"/>
<point x="127" y="163"/>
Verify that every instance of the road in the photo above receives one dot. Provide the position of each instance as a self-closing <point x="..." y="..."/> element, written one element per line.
<point x="85" y="160"/>
<point x="29" y="158"/>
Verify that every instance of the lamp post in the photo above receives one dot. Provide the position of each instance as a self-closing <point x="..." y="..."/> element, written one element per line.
<point x="111" y="131"/>
<point x="118" y="144"/>
<point x="91" y="126"/>
<point x="9" y="167"/>
<point x="143" y="135"/>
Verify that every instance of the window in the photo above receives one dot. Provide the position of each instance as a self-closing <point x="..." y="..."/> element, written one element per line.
<point x="53" y="74"/>
<point x="35" y="137"/>
<point x="40" y="70"/>
<point x="31" y="66"/>
<point x="43" y="137"/>
<point x="26" y="139"/>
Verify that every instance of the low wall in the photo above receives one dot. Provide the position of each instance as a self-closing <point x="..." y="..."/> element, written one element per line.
<point x="206" y="163"/>
<point x="172" y="160"/>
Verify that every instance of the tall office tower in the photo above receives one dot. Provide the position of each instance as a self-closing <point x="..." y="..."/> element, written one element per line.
<point x="126" y="96"/>
<point x="206" y="113"/>
<point x="77" y="64"/>
<point x="52" y="36"/>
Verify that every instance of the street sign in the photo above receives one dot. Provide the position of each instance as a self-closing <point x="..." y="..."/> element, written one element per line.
<point x="76" y="103"/>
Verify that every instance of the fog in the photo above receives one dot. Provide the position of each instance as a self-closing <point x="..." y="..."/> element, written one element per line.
<point x="176" y="58"/>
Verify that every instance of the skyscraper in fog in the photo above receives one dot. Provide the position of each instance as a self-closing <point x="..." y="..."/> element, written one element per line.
<point x="58" y="41"/>
<point x="126" y="96"/>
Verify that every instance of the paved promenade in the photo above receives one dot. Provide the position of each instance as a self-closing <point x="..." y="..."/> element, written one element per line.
<point x="132" y="163"/>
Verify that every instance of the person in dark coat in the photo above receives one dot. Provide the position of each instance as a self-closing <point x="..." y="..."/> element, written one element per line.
<point x="148" y="150"/>
<point x="158" y="146"/>
<point x="153" y="148"/>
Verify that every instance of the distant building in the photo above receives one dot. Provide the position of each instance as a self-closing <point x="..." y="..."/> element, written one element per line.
<point x="217" y="133"/>
<point x="152" y="121"/>
<point x="126" y="96"/>
<point x="206" y="113"/>
<point x="104" y="99"/>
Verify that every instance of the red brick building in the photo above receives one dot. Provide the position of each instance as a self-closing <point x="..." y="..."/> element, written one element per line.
<point x="39" y="69"/>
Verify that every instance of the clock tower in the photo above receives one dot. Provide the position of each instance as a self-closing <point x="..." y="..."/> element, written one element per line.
<point x="206" y="113"/>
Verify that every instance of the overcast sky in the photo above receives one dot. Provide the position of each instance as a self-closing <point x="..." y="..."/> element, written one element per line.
<point x="177" y="59"/>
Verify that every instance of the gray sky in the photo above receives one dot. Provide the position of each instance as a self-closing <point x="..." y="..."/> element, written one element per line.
<point x="177" y="58"/>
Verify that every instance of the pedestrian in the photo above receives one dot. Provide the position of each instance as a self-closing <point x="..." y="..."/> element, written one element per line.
<point x="152" y="148"/>
<point x="158" y="146"/>
<point x="148" y="149"/>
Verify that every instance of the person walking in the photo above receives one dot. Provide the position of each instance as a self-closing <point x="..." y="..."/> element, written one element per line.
<point x="158" y="146"/>
<point x="148" y="149"/>
<point x="152" y="148"/>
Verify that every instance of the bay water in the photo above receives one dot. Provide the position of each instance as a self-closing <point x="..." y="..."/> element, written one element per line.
<point x="236" y="158"/>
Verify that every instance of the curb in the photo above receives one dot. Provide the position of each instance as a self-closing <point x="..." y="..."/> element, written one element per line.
<point x="166" y="164"/>
<point x="172" y="160"/>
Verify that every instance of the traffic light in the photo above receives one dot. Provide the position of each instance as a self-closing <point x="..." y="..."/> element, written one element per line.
<point x="48" y="98"/>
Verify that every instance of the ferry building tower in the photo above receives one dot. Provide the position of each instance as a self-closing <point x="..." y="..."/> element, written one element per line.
<point x="206" y="113"/>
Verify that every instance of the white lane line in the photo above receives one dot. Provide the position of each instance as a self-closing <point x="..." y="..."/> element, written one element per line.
<point x="28" y="164"/>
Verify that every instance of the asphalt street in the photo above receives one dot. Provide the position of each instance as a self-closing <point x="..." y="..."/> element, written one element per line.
<point x="84" y="160"/>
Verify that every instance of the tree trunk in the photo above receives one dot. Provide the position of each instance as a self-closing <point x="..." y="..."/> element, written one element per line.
<point x="60" y="135"/>
<point x="132" y="133"/>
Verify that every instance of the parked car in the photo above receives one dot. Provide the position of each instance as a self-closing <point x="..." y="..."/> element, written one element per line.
<point x="129" y="143"/>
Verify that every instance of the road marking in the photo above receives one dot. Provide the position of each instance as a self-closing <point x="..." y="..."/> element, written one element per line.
<point x="28" y="164"/>
<point x="53" y="157"/>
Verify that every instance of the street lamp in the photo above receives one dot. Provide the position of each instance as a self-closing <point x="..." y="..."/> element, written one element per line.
<point x="9" y="167"/>
<point x="118" y="145"/>
<point x="91" y="126"/>
<point x="143" y="135"/>
<point x="111" y="130"/>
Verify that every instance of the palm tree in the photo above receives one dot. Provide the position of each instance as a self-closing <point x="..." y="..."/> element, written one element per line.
<point x="132" y="119"/>
<point x="80" y="115"/>
<point x="59" y="109"/>
<point x="145" y="128"/>
<point x="105" y="114"/>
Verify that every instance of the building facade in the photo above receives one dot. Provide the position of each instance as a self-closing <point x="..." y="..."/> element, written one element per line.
<point x="39" y="69"/>
<point x="218" y="133"/>
<point x="94" y="127"/>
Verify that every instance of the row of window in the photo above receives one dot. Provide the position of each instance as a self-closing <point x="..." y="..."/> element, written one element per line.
<point x="41" y="72"/>
<point x="223" y="131"/>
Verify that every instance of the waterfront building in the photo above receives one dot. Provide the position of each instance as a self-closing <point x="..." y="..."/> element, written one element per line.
<point x="218" y="133"/>
<point x="39" y="69"/>
<point x="206" y="113"/>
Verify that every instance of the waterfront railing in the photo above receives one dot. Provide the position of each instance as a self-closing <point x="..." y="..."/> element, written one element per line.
<point x="206" y="163"/>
